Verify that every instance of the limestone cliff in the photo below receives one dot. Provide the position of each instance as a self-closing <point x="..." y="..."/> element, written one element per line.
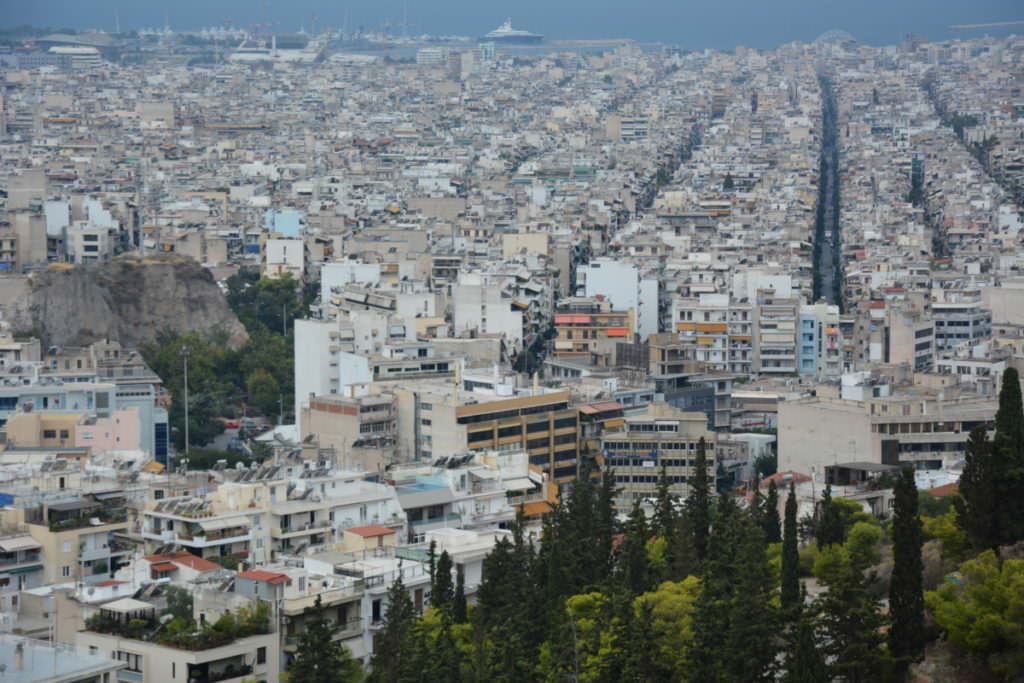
<point x="128" y="299"/>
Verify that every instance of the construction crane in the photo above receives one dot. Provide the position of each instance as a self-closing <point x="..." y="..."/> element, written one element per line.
<point x="967" y="27"/>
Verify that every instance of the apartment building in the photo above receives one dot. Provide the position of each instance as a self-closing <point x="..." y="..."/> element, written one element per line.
<point x="78" y="538"/>
<point x="660" y="436"/>
<point x="21" y="567"/>
<point x="585" y="325"/>
<point x="820" y="343"/>
<point x="961" y="323"/>
<point x="361" y="432"/>
<point x="130" y="631"/>
<point x="451" y="419"/>
<point x="626" y="287"/>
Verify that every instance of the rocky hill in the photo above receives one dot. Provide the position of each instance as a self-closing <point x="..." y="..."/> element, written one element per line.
<point x="128" y="299"/>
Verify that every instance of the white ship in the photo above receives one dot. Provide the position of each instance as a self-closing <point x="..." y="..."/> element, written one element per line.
<point x="506" y="34"/>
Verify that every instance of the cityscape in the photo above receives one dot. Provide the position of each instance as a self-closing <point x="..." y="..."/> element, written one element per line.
<point x="348" y="354"/>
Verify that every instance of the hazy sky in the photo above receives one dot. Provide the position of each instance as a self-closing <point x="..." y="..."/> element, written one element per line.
<point x="687" y="23"/>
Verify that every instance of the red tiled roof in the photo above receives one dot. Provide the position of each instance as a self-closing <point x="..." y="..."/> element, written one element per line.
<point x="600" y="407"/>
<point x="164" y="567"/>
<point x="371" y="530"/>
<point x="185" y="558"/>
<point x="110" y="582"/>
<point x="265" y="576"/>
<point x="944" y="490"/>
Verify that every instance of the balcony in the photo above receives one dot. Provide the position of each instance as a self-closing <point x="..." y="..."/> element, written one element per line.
<point x="449" y="519"/>
<point x="345" y="630"/>
<point x="293" y="606"/>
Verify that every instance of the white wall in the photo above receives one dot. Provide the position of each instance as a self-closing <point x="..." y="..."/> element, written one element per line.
<point x="312" y="362"/>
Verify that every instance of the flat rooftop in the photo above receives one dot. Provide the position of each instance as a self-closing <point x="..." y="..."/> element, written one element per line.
<point x="43" y="662"/>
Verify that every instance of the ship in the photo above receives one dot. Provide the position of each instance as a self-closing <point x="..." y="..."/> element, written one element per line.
<point x="512" y="36"/>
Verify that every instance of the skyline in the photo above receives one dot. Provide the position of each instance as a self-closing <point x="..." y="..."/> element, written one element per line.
<point x="689" y="26"/>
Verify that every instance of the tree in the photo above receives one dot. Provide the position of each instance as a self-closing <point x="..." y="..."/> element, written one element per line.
<point x="1008" y="461"/>
<point x="442" y="591"/>
<point x="728" y="183"/>
<point x="735" y="625"/>
<point x="318" y="658"/>
<point x="790" y="595"/>
<point x="984" y="616"/>
<point x="851" y="622"/>
<point x="698" y="502"/>
<point x="263" y="392"/>
<point x="394" y="641"/>
<point x="459" y="608"/>
<point x="906" y="591"/>
<point x="766" y="465"/>
<point x="664" y="521"/>
<point x="667" y="614"/>
<point x="179" y="603"/>
<point x="830" y="528"/>
<point x="634" y="568"/>
<point x="976" y="505"/>
<point x="805" y="663"/>
<point x="770" y="516"/>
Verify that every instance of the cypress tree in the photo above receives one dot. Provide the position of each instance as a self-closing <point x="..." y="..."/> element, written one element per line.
<point x="698" y="503"/>
<point x="906" y="591"/>
<point x="1010" y="416"/>
<point x="319" y="658"/>
<point x="459" y="609"/>
<point x="790" y="595"/>
<point x="664" y="521"/>
<point x="395" y="642"/>
<point x="976" y="504"/>
<point x="604" y="524"/>
<point x="805" y="663"/>
<point x="772" y="528"/>
<point x="1008" y="462"/>
<point x="442" y="592"/>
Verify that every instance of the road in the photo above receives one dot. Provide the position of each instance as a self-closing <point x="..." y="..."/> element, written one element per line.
<point x="826" y="264"/>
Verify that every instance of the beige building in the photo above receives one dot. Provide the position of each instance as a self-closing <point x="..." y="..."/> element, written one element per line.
<point x="78" y="538"/>
<point x="913" y="427"/>
<point x="361" y="431"/>
<point x="660" y="436"/>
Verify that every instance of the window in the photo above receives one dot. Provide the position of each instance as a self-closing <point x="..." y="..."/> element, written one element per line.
<point x="65" y="571"/>
<point x="261" y="655"/>
<point x="134" y="661"/>
<point x="64" y="434"/>
<point x="49" y="433"/>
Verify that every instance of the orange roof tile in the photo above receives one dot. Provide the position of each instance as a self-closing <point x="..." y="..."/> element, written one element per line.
<point x="944" y="490"/>
<point x="265" y="576"/>
<point x="185" y="558"/>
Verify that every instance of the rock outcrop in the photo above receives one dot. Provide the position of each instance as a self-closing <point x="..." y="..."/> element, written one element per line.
<point x="128" y="299"/>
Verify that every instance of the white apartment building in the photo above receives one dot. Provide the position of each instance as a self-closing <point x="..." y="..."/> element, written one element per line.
<point x="625" y="286"/>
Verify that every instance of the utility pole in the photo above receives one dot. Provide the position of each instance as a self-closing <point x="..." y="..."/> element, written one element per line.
<point x="184" y="356"/>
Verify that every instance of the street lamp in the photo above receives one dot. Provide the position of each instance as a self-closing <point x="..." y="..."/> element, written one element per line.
<point x="184" y="356"/>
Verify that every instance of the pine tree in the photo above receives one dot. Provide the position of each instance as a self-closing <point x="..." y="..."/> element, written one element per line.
<point x="604" y="523"/>
<point x="830" y="528"/>
<point x="772" y="528"/>
<point x="698" y="502"/>
<point x="395" y="641"/>
<point x="790" y="595"/>
<point x="906" y="590"/>
<point x="735" y="625"/>
<point x="634" y="568"/>
<point x="851" y="622"/>
<point x="318" y="658"/>
<point x="976" y="504"/>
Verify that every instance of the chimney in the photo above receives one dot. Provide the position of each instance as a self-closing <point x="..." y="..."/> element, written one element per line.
<point x="536" y="383"/>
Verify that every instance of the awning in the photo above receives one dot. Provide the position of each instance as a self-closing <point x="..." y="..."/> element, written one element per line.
<point x="518" y="484"/>
<point x="23" y="570"/>
<point x="483" y="474"/>
<point x="74" y="506"/>
<point x="108" y="495"/>
<point x="218" y="524"/>
<point x="163" y="567"/>
<point x="127" y="605"/>
<point x="16" y="543"/>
